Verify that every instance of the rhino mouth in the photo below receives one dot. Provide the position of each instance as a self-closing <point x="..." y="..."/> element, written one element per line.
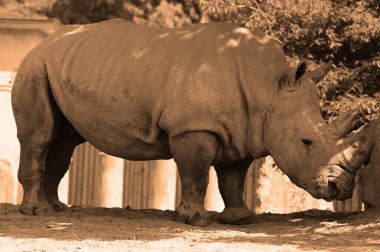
<point x="337" y="184"/>
<point x="340" y="183"/>
<point x="344" y="168"/>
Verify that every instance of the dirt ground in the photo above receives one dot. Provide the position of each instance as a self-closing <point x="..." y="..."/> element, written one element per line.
<point x="100" y="229"/>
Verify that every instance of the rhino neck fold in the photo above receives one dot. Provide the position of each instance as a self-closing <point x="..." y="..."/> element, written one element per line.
<point x="257" y="91"/>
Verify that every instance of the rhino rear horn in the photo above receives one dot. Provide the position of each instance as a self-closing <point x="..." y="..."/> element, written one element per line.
<point x="342" y="125"/>
<point x="321" y="72"/>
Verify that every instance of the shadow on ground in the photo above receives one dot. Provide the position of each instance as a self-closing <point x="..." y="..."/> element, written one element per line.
<point x="309" y="230"/>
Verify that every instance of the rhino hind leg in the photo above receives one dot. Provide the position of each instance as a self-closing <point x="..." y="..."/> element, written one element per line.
<point x="231" y="179"/>
<point x="58" y="161"/>
<point x="36" y="117"/>
<point x="193" y="153"/>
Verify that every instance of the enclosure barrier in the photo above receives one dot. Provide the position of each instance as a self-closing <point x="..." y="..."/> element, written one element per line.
<point x="97" y="179"/>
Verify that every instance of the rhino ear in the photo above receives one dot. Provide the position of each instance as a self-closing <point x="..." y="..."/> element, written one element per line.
<point x="300" y="70"/>
<point x="289" y="81"/>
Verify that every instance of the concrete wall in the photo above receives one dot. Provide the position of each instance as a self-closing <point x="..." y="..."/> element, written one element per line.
<point x="17" y="38"/>
<point x="15" y="44"/>
<point x="9" y="146"/>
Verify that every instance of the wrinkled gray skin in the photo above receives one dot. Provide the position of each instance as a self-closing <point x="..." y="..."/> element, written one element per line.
<point x="370" y="174"/>
<point x="211" y="94"/>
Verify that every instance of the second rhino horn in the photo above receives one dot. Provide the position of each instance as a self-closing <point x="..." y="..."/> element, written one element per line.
<point x="342" y="125"/>
<point x="321" y="71"/>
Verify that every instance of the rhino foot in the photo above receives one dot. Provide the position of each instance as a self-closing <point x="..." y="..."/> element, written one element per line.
<point x="40" y="208"/>
<point x="237" y="216"/>
<point x="58" y="205"/>
<point x="192" y="214"/>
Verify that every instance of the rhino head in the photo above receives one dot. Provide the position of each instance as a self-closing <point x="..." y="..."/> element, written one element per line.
<point x="370" y="174"/>
<point x="316" y="156"/>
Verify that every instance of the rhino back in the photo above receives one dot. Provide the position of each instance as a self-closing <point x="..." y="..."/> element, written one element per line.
<point x="130" y="82"/>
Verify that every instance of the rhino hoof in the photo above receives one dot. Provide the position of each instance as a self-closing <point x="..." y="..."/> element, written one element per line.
<point x="192" y="214"/>
<point x="26" y="210"/>
<point x="199" y="220"/>
<point x="57" y="205"/>
<point x="237" y="216"/>
<point x="178" y="217"/>
<point x="40" y="209"/>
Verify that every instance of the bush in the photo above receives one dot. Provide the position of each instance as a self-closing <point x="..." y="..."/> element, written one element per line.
<point x="154" y="13"/>
<point x="348" y="32"/>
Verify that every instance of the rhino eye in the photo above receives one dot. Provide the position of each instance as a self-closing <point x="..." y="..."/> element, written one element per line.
<point x="307" y="142"/>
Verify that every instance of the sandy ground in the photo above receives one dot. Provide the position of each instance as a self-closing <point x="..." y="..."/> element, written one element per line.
<point x="99" y="229"/>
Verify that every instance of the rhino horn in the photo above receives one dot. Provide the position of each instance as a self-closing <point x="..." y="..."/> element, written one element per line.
<point x="358" y="146"/>
<point x="322" y="70"/>
<point x="342" y="125"/>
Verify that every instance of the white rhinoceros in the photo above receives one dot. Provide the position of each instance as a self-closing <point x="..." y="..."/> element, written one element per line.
<point x="370" y="174"/>
<point x="209" y="94"/>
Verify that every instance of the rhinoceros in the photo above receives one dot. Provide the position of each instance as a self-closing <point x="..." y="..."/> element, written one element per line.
<point x="209" y="94"/>
<point x="370" y="174"/>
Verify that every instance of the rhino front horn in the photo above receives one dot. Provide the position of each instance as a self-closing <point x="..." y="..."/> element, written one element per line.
<point x="342" y="125"/>
<point x="322" y="70"/>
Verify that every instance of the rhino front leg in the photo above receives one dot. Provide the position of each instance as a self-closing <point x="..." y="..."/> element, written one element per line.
<point x="193" y="153"/>
<point x="231" y="179"/>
